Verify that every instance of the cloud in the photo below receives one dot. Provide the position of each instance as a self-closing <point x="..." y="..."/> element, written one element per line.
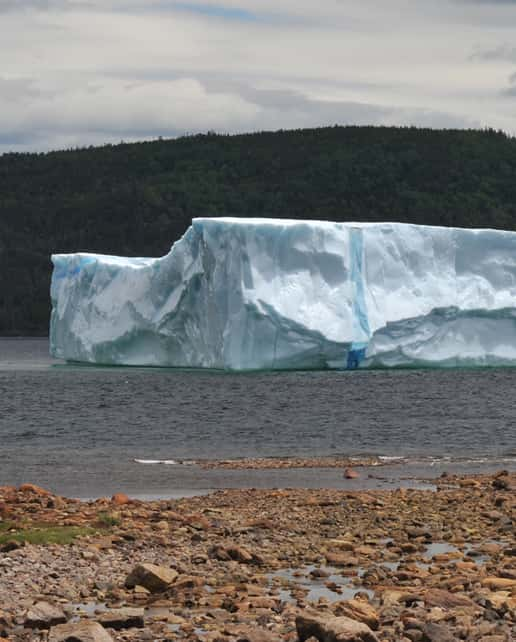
<point x="75" y="72"/>
<point x="502" y="52"/>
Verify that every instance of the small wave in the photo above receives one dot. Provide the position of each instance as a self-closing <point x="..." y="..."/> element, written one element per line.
<point x="165" y="462"/>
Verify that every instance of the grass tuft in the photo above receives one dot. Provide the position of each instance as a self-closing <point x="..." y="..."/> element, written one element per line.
<point x="45" y="534"/>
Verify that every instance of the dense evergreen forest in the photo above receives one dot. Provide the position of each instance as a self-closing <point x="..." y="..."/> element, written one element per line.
<point x="137" y="199"/>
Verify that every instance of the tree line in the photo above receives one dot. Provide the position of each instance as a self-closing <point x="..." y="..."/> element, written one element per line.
<point x="137" y="199"/>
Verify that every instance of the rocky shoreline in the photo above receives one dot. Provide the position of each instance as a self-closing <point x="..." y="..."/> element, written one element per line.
<point x="281" y="463"/>
<point x="403" y="565"/>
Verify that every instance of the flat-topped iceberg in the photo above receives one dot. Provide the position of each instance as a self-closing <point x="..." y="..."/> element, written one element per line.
<point x="246" y="294"/>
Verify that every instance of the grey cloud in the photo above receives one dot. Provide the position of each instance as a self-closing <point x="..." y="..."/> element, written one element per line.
<point x="504" y="3"/>
<point x="267" y="110"/>
<point x="504" y="52"/>
<point x="511" y="90"/>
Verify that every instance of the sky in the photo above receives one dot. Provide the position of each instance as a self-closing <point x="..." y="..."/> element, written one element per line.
<point x="87" y="72"/>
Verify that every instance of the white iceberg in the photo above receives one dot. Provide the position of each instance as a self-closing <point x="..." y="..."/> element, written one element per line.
<point x="244" y="294"/>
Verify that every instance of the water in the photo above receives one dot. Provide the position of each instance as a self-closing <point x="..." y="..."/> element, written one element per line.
<point x="78" y="429"/>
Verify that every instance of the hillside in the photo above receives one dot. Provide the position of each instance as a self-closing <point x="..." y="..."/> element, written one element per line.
<point x="137" y="199"/>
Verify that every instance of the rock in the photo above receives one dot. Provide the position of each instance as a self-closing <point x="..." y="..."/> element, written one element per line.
<point x="437" y="633"/>
<point x="500" y="483"/>
<point x="447" y="600"/>
<point x="79" y="632"/>
<point x="11" y="545"/>
<point x="236" y="553"/>
<point x="152" y="577"/>
<point x="341" y="559"/>
<point x="43" y="615"/>
<point x="359" y="610"/>
<point x="36" y="490"/>
<point x="351" y="473"/>
<point x="332" y="629"/>
<point x="123" y="618"/>
<point x="120" y="499"/>
<point x="341" y="544"/>
<point x="498" y="583"/>
<point x="255" y="635"/>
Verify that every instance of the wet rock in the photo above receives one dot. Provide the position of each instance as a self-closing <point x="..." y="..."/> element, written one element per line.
<point x="154" y="578"/>
<point x="79" y="632"/>
<point x="333" y="629"/>
<point x="43" y="615"/>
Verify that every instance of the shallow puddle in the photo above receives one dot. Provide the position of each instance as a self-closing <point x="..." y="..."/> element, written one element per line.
<point x="314" y="588"/>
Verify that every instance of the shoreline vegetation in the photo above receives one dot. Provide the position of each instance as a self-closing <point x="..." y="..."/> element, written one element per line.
<point x="404" y="565"/>
<point x="137" y="199"/>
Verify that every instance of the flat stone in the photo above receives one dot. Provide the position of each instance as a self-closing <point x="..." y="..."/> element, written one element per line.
<point x="85" y="631"/>
<point x="123" y="618"/>
<point x="43" y="615"/>
<point x="498" y="583"/>
<point x="341" y="559"/>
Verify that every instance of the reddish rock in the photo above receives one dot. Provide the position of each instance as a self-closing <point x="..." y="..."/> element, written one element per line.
<point x="36" y="490"/>
<point x="120" y="499"/>
<point x="152" y="577"/>
<point x="351" y="473"/>
<point x="236" y="553"/>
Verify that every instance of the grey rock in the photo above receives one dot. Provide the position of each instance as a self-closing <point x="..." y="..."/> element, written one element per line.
<point x="43" y="615"/>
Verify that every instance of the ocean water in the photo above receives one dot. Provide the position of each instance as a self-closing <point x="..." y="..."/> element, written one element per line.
<point x="79" y="429"/>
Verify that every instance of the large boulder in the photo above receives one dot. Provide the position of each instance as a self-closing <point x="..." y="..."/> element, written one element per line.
<point x="327" y="628"/>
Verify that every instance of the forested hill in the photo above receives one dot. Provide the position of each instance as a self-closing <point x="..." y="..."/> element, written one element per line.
<point x="137" y="199"/>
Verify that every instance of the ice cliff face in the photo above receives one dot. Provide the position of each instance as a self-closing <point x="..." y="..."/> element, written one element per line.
<point x="269" y="294"/>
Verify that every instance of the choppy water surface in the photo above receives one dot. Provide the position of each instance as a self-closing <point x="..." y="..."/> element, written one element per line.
<point x="79" y="429"/>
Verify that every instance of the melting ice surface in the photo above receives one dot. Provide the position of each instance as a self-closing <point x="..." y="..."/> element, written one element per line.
<point x="271" y="294"/>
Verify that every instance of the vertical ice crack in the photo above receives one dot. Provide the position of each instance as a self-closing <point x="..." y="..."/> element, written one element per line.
<point x="361" y="331"/>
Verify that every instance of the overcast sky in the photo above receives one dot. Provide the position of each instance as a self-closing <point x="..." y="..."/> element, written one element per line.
<point x="81" y="72"/>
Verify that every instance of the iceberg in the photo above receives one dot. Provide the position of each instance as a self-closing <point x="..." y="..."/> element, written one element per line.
<point x="248" y="294"/>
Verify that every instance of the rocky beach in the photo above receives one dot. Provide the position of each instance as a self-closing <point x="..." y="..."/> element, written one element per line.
<point x="406" y="565"/>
